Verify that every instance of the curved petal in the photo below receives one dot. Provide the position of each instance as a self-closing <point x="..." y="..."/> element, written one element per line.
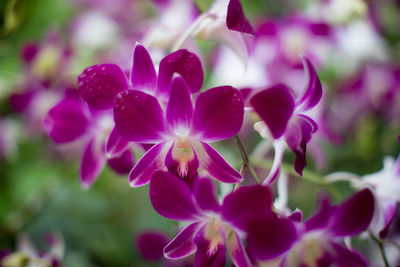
<point x="171" y="197"/>
<point x="279" y="148"/>
<point x="123" y="163"/>
<point x="116" y="144"/>
<point x="322" y="216"/>
<point x="183" y="244"/>
<point x="235" y="18"/>
<point x="214" y="164"/>
<point x="218" y="113"/>
<point x="205" y="194"/>
<point x="151" y="161"/>
<point x="313" y="92"/>
<point x="270" y="237"/>
<point x="275" y="106"/>
<point x="179" y="110"/>
<point x="66" y="121"/>
<point x="239" y="206"/>
<point x="184" y="63"/>
<point x="139" y="117"/>
<point x="298" y="134"/>
<point x="93" y="161"/>
<point x="354" y="215"/>
<point x="99" y="84"/>
<point x="342" y="256"/>
<point x="143" y="76"/>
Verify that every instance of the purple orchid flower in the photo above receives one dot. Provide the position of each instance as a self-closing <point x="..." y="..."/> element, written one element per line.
<point x="284" y="118"/>
<point x="316" y="242"/>
<point x="152" y="109"/>
<point x="72" y="120"/>
<point x="212" y="226"/>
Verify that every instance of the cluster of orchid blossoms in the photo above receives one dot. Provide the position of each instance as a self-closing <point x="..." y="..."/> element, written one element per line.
<point x="158" y="108"/>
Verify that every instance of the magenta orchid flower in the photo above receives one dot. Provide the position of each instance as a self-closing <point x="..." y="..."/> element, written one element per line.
<point x="315" y="242"/>
<point x="385" y="185"/>
<point x="213" y="227"/>
<point x="181" y="130"/>
<point x="72" y="120"/>
<point x="284" y="118"/>
<point x="151" y="109"/>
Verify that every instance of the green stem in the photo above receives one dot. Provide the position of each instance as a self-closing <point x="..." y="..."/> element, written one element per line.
<point x="246" y="163"/>
<point x="307" y="175"/>
<point x="381" y="248"/>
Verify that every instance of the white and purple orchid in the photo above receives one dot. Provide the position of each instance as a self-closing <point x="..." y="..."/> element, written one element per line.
<point x="284" y="118"/>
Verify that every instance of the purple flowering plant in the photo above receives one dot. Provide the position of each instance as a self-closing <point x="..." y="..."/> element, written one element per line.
<point x="169" y="120"/>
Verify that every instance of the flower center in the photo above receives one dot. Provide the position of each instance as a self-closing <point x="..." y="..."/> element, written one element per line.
<point x="183" y="153"/>
<point x="213" y="235"/>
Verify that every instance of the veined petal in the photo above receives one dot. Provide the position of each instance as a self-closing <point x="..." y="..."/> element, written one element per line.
<point x="143" y="76"/>
<point x="139" y="117"/>
<point x="93" y="161"/>
<point x="275" y="106"/>
<point x="171" y="197"/>
<point x="354" y="215"/>
<point x="218" y="113"/>
<point x="269" y="237"/>
<point x="184" y="63"/>
<point x="239" y="206"/>
<point x="205" y="194"/>
<point x="99" y="84"/>
<point x="179" y="110"/>
<point x="116" y="144"/>
<point x="313" y="91"/>
<point x="123" y="163"/>
<point x="214" y="164"/>
<point x="151" y="161"/>
<point x="183" y="244"/>
<point x="236" y="20"/>
<point x="66" y="121"/>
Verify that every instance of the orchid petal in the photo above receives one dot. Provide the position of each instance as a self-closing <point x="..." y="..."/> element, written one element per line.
<point x="179" y="110"/>
<point x="322" y="216"/>
<point x="354" y="215"/>
<point x="116" y="144"/>
<point x="171" y="197"/>
<point x="139" y="117"/>
<point x="298" y="134"/>
<point x="218" y="113"/>
<point x="342" y="256"/>
<point x="214" y="164"/>
<point x="275" y="106"/>
<point x="235" y="18"/>
<point x="123" y="163"/>
<point x="236" y="250"/>
<point x="143" y="76"/>
<point x="93" y="161"/>
<point x="241" y="205"/>
<point x="184" y="63"/>
<point x="183" y="244"/>
<point x="66" y="121"/>
<point x="99" y="84"/>
<point x="313" y="92"/>
<point x="207" y="254"/>
<point x="204" y="192"/>
<point x="269" y="237"/>
<point x="151" y="161"/>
